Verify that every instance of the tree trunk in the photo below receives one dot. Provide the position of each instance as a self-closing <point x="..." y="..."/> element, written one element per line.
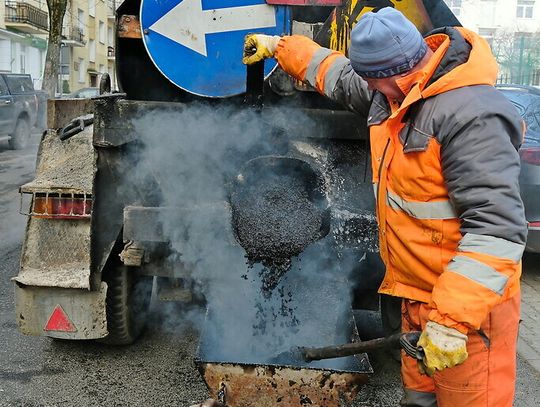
<point x="57" y="10"/>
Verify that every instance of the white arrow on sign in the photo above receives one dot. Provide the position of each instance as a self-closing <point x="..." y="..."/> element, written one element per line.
<point x="188" y="24"/>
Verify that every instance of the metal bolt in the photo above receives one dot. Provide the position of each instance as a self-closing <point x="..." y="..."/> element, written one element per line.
<point x="145" y="31"/>
<point x="128" y="19"/>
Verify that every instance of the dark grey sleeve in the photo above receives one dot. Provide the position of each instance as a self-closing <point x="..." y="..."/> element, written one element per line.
<point x="341" y="83"/>
<point x="481" y="165"/>
<point x="349" y="89"/>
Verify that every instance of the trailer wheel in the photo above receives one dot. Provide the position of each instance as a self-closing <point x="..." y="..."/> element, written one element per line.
<point x="21" y="135"/>
<point x="128" y="300"/>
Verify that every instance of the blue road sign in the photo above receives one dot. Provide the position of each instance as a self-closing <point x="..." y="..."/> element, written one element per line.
<point x="198" y="44"/>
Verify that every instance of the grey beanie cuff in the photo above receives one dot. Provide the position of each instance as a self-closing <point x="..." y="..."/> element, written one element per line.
<point x="394" y="70"/>
<point x="385" y="44"/>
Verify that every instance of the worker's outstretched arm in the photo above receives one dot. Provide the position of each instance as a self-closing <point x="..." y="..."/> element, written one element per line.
<point x="329" y="72"/>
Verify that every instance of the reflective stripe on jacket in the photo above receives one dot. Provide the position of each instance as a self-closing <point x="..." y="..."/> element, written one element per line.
<point x="445" y="168"/>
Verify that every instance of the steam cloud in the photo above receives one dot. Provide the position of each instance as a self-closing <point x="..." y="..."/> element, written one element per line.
<point x="193" y="155"/>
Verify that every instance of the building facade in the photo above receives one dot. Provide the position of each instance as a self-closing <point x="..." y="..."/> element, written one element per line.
<point x="512" y="28"/>
<point x="23" y="33"/>
<point x="88" y="46"/>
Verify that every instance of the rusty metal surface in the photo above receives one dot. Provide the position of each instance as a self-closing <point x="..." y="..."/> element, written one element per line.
<point x="56" y="252"/>
<point x="85" y="310"/>
<point x="132" y="255"/>
<point x="61" y="111"/>
<point x="116" y="121"/>
<point x="129" y="26"/>
<point x="147" y="224"/>
<point x="64" y="166"/>
<point x="269" y="386"/>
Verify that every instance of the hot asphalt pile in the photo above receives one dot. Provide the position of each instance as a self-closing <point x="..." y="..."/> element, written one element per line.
<point x="275" y="220"/>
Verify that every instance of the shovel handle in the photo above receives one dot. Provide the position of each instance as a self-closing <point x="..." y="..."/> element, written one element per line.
<point x="409" y="343"/>
<point x="406" y="341"/>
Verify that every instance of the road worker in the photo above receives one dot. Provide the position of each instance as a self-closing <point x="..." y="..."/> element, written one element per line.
<point x="445" y="166"/>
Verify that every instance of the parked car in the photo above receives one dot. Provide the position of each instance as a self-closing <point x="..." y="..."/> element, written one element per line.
<point x="19" y="105"/>
<point x="84" y="93"/>
<point x="527" y="101"/>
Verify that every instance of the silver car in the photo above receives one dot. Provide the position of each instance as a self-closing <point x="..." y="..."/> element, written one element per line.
<point x="527" y="101"/>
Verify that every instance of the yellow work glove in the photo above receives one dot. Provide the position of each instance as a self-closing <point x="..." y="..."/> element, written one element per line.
<point x="258" y="47"/>
<point x="443" y="347"/>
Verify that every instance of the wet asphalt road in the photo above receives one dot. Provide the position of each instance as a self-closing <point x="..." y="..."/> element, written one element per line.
<point x="159" y="370"/>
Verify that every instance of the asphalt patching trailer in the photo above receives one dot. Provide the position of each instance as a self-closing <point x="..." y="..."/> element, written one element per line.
<point x="237" y="192"/>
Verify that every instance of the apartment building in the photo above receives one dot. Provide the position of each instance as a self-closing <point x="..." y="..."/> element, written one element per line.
<point x="23" y="37"/>
<point x="88" y="46"/>
<point x="512" y="28"/>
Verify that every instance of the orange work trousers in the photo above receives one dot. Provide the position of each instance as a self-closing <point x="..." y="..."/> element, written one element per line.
<point x="486" y="379"/>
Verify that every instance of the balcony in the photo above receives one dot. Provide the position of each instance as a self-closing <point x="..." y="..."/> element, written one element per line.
<point x="111" y="8"/>
<point x="110" y="53"/>
<point x="73" y="36"/>
<point x="26" y="18"/>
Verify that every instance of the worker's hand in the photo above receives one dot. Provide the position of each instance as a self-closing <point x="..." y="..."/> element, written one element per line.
<point x="209" y="403"/>
<point x="258" y="47"/>
<point x="443" y="347"/>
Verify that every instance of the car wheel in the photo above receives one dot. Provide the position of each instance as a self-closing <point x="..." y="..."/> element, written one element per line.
<point x="21" y="135"/>
<point x="128" y="300"/>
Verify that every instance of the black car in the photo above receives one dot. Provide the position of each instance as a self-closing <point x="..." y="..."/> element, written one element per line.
<point x="84" y="93"/>
<point x="527" y="101"/>
<point x="19" y="104"/>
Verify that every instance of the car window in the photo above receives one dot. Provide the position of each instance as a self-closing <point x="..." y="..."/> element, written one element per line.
<point x="528" y="107"/>
<point x="531" y="115"/>
<point x="19" y="84"/>
<point x="534" y="123"/>
<point x="85" y="93"/>
<point x="88" y="93"/>
<point x="3" y="88"/>
<point x="519" y="107"/>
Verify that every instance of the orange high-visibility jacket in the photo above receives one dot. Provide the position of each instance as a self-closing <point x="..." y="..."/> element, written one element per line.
<point x="445" y="170"/>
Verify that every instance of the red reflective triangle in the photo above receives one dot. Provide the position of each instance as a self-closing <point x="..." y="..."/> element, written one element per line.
<point x="58" y="321"/>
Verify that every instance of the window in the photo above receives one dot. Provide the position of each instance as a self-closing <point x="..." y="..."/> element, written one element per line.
<point x="525" y="9"/>
<point x="82" y="70"/>
<point x="110" y="39"/>
<point x="65" y="57"/>
<point x="3" y="88"/>
<point x="81" y="23"/>
<point x="19" y="84"/>
<point x="454" y="6"/>
<point x="92" y="8"/>
<point x="91" y="50"/>
<point x="487" y="17"/>
<point x="101" y="68"/>
<point x="487" y="34"/>
<point x="102" y="32"/>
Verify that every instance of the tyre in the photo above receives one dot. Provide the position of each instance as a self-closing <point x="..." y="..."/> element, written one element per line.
<point x="128" y="300"/>
<point x="21" y="135"/>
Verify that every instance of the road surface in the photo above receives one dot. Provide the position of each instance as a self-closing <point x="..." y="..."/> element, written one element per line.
<point x="158" y="370"/>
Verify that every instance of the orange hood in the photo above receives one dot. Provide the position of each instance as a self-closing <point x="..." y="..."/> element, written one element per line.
<point x="441" y="73"/>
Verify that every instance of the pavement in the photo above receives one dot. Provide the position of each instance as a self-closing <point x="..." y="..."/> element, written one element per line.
<point x="529" y="331"/>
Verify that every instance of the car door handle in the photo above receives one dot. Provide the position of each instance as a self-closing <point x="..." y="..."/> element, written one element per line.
<point x="7" y="102"/>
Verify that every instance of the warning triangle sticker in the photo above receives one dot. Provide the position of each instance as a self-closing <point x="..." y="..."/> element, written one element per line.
<point x="59" y="321"/>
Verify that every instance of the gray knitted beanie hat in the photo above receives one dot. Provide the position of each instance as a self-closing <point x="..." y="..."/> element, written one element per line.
<point x="384" y="44"/>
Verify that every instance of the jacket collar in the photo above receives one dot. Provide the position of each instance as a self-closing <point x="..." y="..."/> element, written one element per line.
<point x="461" y="58"/>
